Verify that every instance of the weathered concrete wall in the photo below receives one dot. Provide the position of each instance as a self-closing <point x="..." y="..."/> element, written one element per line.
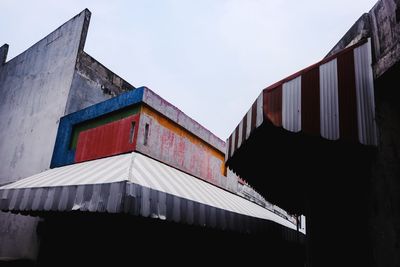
<point x="382" y="24"/>
<point x="360" y="29"/>
<point x="3" y="54"/>
<point x="385" y="25"/>
<point x="170" y="143"/>
<point x="34" y="88"/>
<point x="384" y="206"/>
<point x="93" y="83"/>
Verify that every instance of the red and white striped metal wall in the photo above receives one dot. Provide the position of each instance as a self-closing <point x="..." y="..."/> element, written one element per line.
<point x="333" y="98"/>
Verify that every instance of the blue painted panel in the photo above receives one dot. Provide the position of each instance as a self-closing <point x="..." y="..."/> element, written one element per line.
<point x="62" y="154"/>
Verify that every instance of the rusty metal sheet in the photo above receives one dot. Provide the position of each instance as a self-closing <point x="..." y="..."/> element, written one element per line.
<point x="333" y="98"/>
<point x="347" y="97"/>
<point x="109" y="139"/>
<point x="310" y="99"/>
<point x="273" y="105"/>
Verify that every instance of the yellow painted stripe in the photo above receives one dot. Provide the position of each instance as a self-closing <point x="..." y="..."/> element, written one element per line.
<point x="179" y="130"/>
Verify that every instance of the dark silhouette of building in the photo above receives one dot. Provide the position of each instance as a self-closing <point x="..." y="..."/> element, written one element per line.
<point x="130" y="174"/>
<point x="324" y="142"/>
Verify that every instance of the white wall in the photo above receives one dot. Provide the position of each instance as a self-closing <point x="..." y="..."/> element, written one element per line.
<point x="34" y="88"/>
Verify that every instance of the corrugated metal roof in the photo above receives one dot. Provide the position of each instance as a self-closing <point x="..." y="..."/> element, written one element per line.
<point x="101" y="171"/>
<point x="365" y="92"/>
<point x="329" y="100"/>
<point x="291" y="105"/>
<point x="333" y="99"/>
<point x="136" y="184"/>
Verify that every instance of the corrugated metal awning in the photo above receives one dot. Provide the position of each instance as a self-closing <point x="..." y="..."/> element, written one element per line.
<point x="333" y="99"/>
<point x="136" y="184"/>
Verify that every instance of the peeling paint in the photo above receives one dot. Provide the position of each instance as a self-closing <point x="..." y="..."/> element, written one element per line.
<point x="174" y="145"/>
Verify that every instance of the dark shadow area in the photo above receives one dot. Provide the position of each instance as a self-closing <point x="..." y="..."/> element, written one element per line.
<point x="328" y="181"/>
<point x="86" y="238"/>
<point x="17" y="263"/>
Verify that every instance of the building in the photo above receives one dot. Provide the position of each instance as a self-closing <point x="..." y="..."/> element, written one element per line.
<point x="125" y="166"/>
<point x="52" y="78"/>
<point x="330" y="134"/>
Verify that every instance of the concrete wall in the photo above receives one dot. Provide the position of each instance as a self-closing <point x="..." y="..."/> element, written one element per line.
<point x="384" y="184"/>
<point x="3" y="54"/>
<point x="34" y="88"/>
<point x="360" y="29"/>
<point x="382" y="24"/>
<point x="384" y="205"/>
<point x="93" y="83"/>
<point x="385" y="25"/>
<point x="52" y="78"/>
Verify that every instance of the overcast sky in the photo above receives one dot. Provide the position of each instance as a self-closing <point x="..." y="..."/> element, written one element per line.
<point x="210" y="58"/>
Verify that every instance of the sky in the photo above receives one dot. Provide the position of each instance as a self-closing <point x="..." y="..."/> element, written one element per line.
<point x="210" y="58"/>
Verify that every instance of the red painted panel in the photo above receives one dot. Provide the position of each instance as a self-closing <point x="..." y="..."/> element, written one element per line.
<point x="236" y="136"/>
<point x="253" y="117"/>
<point x="316" y="65"/>
<point x="310" y="102"/>
<point x="229" y="146"/>
<point x="107" y="140"/>
<point x="273" y="105"/>
<point x="347" y="97"/>
<point x="244" y="129"/>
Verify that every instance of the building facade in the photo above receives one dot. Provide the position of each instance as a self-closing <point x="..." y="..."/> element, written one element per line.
<point x="63" y="111"/>
<point x="52" y="78"/>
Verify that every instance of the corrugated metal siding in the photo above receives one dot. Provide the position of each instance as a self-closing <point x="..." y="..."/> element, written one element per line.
<point x="333" y="99"/>
<point x="107" y="170"/>
<point x="150" y="173"/>
<point x="136" y="184"/>
<point x="228" y="149"/>
<point x="244" y="128"/>
<point x="365" y="95"/>
<point x="240" y="136"/>
<point x="291" y="105"/>
<point x="62" y="154"/>
<point x="310" y="107"/>
<point x="109" y="139"/>
<point x="273" y="105"/>
<point x="260" y="103"/>
<point x="347" y="97"/>
<point x="248" y="123"/>
<point x="236" y="140"/>
<point x="253" y="116"/>
<point x="329" y="112"/>
<point x="148" y="202"/>
<point x="89" y="197"/>
<point x="253" y="119"/>
<point x="232" y="142"/>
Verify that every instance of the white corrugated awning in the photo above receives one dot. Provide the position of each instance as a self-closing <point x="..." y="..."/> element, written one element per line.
<point x="136" y="184"/>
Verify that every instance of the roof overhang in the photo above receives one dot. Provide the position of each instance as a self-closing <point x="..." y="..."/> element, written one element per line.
<point x="136" y="184"/>
<point x="324" y="110"/>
